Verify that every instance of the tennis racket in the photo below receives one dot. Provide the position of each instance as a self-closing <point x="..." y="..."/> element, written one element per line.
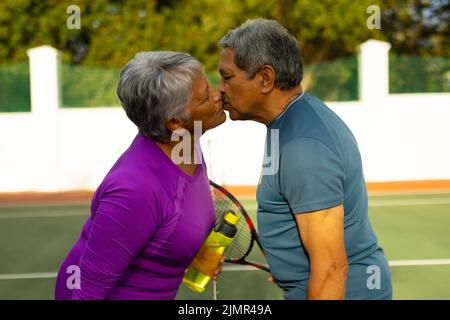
<point x="246" y="235"/>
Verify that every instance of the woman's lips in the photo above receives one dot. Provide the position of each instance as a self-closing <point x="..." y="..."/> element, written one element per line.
<point x="224" y="102"/>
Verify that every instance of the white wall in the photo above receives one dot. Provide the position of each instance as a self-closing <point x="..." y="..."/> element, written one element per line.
<point x="406" y="137"/>
<point x="401" y="137"/>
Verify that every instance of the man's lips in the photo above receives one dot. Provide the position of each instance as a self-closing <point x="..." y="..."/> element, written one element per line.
<point x="225" y="105"/>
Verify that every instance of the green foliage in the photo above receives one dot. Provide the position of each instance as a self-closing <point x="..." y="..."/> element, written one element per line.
<point x="15" y="88"/>
<point x="113" y="31"/>
<point x="409" y="74"/>
<point x="95" y="87"/>
<point x="417" y="27"/>
<point x="89" y="87"/>
<point x="327" y="29"/>
<point x="333" y="81"/>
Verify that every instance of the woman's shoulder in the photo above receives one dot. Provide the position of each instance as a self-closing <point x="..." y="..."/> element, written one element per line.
<point x="141" y="178"/>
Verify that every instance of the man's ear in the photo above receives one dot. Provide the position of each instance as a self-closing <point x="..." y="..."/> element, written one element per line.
<point x="267" y="76"/>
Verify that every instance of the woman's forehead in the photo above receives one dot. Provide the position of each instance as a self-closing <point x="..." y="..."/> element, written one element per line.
<point x="200" y="84"/>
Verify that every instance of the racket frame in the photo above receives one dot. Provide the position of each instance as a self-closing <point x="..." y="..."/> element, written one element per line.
<point x="255" y="237"/>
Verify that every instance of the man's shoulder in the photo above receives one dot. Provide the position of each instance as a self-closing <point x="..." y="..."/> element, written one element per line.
<point x="309" y="121"/>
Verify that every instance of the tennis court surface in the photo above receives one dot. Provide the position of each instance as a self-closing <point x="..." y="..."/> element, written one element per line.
<point x="412" y="228"/>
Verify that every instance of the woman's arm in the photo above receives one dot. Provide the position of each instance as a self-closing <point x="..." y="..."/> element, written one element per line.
<point x="123" y="222"/>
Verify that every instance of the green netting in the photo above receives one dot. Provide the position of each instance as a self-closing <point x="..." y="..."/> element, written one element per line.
<point x="413" y="74"/>
<point x="214" y="79"/>
<point x="15" y="88"/>
<point x="336" y="80"/>
<point x="84" y="86"/>
<point x="94" y="87"/>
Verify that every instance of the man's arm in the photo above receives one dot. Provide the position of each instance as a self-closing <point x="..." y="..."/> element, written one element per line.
<point x="322" y="235"/>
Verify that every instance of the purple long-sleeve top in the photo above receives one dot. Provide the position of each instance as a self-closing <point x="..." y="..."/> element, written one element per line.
<point x="148" y="220"/>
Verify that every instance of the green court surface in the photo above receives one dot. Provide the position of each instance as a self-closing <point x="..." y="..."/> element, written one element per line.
<point x="413" y="229"/>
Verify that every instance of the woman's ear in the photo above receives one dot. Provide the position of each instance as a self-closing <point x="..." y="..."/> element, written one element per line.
<point x="267" y="75"/>
<point x="174" y="125"/>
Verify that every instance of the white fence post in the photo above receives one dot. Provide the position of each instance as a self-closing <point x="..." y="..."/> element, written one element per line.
<point x="373" y="68"/>
<point x="45" y="101"/>
<point x="44" y="79"/>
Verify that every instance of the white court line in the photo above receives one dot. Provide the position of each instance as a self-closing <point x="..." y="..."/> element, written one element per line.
<point x="398" y="203"/>
<point x="19" y="276"/>
<point x="27" y="205"/>
<point x="429" y="262"/>
<point x="390" y="203"/>
<point x="232" y="267"/>
<point x="392" y="263"/>
<point x="372" y="203"/>
<point x="41" y="215"/>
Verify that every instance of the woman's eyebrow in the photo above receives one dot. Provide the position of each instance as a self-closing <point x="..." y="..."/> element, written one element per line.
<point x="205" y="92"/>
<point x="205" y="95"/>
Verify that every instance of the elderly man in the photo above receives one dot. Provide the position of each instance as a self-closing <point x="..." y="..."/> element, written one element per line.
<point x="312" y="212"/>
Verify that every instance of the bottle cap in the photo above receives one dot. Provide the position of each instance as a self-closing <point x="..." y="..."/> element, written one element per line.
<point x="231" y="218"/>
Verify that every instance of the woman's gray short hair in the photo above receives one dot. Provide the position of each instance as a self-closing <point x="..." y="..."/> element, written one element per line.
<point x="261" y="41"/>
<point x="156" y="86"/>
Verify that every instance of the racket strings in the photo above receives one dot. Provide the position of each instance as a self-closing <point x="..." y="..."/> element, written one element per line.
<point x="242" y="241"/>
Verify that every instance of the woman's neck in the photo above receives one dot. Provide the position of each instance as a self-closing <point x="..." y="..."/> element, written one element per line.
<point x="186" y="162"/>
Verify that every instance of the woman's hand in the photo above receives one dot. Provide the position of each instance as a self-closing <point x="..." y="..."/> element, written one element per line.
<point x="219" y="269"/>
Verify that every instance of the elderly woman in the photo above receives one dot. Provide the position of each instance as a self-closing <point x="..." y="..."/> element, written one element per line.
<point x="151" y="214"/>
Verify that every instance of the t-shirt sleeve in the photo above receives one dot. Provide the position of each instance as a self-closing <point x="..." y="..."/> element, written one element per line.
<point x="311" y="176"/>
<point x="124" y="221"/>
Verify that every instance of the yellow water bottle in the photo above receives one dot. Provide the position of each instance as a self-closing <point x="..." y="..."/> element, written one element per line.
<point x="200" y="273"/>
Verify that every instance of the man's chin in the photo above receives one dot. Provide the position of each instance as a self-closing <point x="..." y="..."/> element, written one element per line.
<point x="233" y="115"/>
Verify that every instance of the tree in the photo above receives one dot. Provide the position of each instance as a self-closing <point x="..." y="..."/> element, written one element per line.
<point x="113" y="31"/>
<point x="417" y="27"/>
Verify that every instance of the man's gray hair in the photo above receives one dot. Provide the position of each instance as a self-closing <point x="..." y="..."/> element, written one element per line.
<point x="261" y="41"/>
<point x="156" y="86"/>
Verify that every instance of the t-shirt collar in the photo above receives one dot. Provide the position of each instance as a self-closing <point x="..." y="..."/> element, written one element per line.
<point x="286" y="108"/>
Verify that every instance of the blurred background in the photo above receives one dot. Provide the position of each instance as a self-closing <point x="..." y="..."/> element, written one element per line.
<point x="383" y="66"/>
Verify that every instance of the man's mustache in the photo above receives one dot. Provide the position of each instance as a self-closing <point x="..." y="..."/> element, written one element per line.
<point x="224" y="99"/>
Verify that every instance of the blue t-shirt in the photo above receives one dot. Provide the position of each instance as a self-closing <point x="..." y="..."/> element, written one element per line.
<point x="315" y="164"/>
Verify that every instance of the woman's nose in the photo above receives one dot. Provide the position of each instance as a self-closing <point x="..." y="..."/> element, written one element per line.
<point x="215" y="95"/>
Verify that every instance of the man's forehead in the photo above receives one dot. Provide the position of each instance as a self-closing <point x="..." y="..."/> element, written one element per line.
<point x="227" y="59"/>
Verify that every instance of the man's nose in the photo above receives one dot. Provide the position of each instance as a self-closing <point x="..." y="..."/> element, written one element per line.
<point x="221" y="86"/>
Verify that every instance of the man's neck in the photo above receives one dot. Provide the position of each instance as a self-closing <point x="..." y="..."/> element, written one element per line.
<point x="276" y="103"/>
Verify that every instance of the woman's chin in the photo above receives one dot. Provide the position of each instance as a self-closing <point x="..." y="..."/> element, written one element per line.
<point x="222" y="118"/>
